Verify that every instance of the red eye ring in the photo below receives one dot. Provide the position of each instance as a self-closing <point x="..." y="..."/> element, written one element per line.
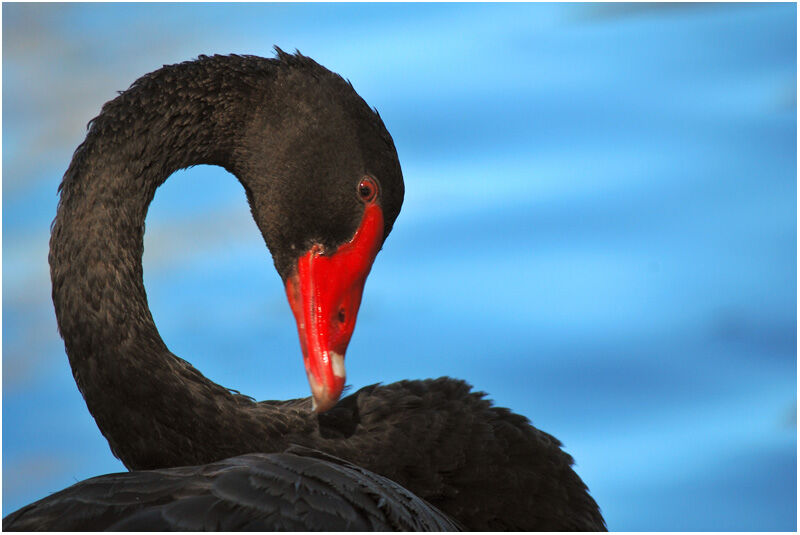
<point x="367" y="189"/>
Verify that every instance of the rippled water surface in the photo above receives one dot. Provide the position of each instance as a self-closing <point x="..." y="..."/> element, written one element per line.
<point x="599" y="231"/>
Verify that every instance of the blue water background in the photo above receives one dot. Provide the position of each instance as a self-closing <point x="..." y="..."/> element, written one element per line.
<point x="599" y="231"/>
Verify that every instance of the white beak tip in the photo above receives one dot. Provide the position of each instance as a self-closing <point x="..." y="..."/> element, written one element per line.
<point x="337" y="363"/>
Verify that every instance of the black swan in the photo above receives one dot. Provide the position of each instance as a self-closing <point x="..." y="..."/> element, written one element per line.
<point x="324" y="185"/>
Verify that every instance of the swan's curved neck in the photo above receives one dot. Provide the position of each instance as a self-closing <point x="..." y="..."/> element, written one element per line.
<point x="148" y="403"/>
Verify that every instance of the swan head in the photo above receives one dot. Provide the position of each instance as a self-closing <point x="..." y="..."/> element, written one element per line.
<point x="325" y="186"/>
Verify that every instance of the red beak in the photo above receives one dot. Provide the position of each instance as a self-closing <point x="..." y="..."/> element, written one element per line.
<point x="325" y="293"/>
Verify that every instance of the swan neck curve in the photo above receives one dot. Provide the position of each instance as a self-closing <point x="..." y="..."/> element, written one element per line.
<point x="148" y="403"/>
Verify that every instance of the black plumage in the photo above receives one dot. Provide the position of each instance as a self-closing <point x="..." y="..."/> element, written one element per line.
<point x="295" y="490"/>
<point x="298" y="138"/>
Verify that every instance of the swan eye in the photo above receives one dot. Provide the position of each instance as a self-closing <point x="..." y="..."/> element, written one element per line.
<point x="367" y="189"/>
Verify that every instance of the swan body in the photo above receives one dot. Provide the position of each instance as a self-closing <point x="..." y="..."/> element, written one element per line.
<point x="324" y="185"/>
<point x="291" y="491"/>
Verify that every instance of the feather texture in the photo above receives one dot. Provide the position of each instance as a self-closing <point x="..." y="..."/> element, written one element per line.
<point x="297" y="490"/>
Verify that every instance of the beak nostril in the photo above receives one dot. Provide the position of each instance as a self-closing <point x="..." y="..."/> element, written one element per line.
<point x="342" y="316"/>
